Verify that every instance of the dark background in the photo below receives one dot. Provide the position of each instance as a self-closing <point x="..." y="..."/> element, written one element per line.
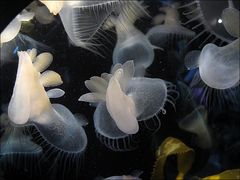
<point x="77" y="65"/>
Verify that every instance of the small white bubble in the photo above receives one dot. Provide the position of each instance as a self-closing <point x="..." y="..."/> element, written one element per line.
<point x="219" y="21"/>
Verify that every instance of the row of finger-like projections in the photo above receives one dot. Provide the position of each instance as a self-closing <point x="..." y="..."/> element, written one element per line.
<point x="127" y="101"/>
<point x="30" y="104"/>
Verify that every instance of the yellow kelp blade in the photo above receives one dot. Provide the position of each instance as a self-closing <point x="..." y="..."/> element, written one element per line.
<point x="173" y="146"/>
<point x="232" y="174"/>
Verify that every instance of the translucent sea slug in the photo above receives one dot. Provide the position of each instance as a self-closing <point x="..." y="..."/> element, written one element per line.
<point x="30" y="104"/>
<point x="84" y="20"/>
<point x="196" y="122"/>
<point x="131" y="44"/>
<point x="214" y="61"/>
<point x="123" y="100"/>
<point x="170" y="30"/>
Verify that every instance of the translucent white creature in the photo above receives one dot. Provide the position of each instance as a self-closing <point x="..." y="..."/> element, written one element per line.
<point x="13" y="28"/>
<point x="196" y="122"/>
<point x="163" y="34"/>
<point x="30" y="104"/>
<point x="132" y="44"/>
<point x="83" y="20"/>
<point x="125" y="101"/>
<point x="218" y="66"/>
<point x="215" y="61"/>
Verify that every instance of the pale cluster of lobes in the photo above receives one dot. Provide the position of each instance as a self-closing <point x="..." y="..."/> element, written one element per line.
<point x="30" y="103"/>
<point x="124" y="97"/>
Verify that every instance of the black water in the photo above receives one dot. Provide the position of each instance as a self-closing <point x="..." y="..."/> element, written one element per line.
<point x="75" y="65"/>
